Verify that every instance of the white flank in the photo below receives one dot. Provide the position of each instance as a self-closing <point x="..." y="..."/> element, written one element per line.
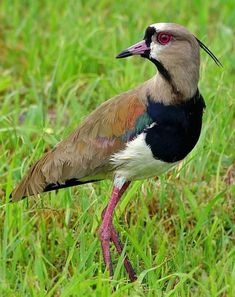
<point x="137" y="162"/>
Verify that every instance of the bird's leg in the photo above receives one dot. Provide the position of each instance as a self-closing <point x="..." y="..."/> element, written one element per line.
<point x="105" y="228"/>
<point x="129" y="269"/>
<point x="118" y="245"/>
<point x="107" y="231"/>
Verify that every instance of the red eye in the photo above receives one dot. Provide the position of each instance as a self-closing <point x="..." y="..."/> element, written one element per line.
<point x="164" y="38"/>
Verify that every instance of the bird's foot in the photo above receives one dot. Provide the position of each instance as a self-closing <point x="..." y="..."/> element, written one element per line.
<point x="110" y="234"/>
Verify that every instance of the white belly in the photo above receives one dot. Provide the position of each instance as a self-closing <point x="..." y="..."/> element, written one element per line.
<point x="136" y="161"/>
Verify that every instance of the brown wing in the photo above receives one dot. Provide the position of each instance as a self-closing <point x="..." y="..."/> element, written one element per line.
<point x="84" y="155"/>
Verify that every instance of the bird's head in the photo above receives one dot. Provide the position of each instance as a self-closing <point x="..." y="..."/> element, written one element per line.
<point x="172" y="48"/>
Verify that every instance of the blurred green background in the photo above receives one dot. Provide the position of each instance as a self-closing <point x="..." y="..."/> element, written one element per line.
<point x="57" y="63"/>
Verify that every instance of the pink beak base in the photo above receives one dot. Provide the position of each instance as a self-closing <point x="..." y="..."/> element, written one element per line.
<point x="136" y="49"/>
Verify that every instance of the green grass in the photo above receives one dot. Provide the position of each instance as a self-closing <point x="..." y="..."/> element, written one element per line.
<point x="57" y="64"/>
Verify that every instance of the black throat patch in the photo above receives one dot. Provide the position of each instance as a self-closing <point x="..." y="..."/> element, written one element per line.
<point x="162" y="70"/>
<point x="176" y="128"/>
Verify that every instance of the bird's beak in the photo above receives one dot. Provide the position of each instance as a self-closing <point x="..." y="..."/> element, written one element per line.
<point x="137" y="49"/>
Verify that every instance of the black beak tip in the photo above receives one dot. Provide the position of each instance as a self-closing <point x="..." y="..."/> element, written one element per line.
<point x="124" y="54"/>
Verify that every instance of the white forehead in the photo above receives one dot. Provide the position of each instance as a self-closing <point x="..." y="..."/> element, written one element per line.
<point x="170" y="27"/>
<point x="159" y="26"/>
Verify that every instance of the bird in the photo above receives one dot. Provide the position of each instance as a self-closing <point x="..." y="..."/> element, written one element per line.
<point x="136" y="135"/>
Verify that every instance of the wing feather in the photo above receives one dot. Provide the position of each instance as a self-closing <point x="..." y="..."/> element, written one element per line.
<point x="87" y="151"/>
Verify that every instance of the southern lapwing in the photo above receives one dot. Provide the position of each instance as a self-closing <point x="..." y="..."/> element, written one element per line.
<point x="135" y="135"/>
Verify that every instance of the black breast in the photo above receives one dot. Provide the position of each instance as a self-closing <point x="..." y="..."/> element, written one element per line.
<point x="176" y="128"/>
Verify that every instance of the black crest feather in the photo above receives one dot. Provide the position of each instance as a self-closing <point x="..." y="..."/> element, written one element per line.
<point x="209" y="52"/>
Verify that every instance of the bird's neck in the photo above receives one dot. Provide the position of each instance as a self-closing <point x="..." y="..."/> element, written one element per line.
<point x="181" y="87"/>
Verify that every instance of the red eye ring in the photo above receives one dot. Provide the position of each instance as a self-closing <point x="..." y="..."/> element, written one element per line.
<point x="164" y="38"/>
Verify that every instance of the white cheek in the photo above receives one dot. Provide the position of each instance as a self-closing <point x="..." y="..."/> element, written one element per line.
<point x="155" y="49"/>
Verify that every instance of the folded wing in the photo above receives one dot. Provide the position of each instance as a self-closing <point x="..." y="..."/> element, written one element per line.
<point x="84" y="156"/>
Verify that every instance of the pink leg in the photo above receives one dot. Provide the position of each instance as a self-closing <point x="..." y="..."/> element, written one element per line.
<point x="129" y="269"/>
<point x="107" y="232"/>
